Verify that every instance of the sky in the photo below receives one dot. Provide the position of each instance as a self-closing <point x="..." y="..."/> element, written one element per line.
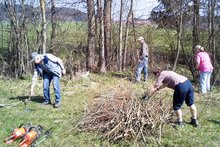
<point x="142" y="8"/>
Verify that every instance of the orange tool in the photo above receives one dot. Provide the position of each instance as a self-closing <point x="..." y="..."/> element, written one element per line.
<point x="31" y="136"/>
<point x="18" y="133"/>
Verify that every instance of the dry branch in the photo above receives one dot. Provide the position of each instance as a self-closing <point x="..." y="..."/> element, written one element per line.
<point x="120" y="114"/>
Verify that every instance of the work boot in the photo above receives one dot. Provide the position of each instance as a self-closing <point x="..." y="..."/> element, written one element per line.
<point x="194" y="122"/>
<point x="179" y="124"/>
<point x="135" y="82"/>
<point x="57" y="104"/>
<point x="46" y="103"/>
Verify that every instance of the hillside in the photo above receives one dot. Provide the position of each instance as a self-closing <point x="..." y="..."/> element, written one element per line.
<point x="62" y="13"/>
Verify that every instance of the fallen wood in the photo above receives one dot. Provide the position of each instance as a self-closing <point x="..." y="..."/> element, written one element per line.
<point x="120" y="114"/>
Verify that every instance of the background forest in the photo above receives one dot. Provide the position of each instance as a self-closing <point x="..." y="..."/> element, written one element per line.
<point x="96" y="42"/>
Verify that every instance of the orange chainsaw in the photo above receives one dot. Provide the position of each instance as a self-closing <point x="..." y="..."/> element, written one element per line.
<point x="33" y="134"/>
<point x="18" y="133"/>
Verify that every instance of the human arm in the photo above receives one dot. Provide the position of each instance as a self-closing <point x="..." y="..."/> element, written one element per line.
<point x="158" y="84"/>
<point x="144" y="50"/>
<point x="33" y="83"/>
<point x="155" y="89"/>
<point x="197" y="61"/>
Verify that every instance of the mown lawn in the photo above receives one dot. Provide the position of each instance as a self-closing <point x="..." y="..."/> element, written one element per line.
<point x="77" y="93"/>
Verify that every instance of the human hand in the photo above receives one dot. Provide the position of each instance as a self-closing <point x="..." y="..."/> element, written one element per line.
<point x="32" y="93"/>
<point x="63" y="72"/>
<point x="152" y="91"/>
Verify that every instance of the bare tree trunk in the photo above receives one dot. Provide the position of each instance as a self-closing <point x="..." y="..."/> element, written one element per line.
<point x="44" y="25"/>
<point x="195" y="33"/>
<point x="102" y="61"/>
<point x="120" y="37"/>
<point x="2" y="34"/>
<point x="54" y="25"/>
<point x="211" y="14"/>
<point x="22" y="40"/>
<point x="134" y="38"/>
<point x="107" y="30"/>
<point x="126" y="36"/>
<point x="196" y="23"/>
<point x="212" y="47"/>
<point x="91" y="35"/>
<point x="179" y="36"/>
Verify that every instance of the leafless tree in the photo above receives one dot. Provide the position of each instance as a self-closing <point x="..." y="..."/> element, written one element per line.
<point x="179" y="35"/>
<point x="18" y="44"/>
<point x="54" y="24"/>
<point x="211" y="31"/>
<point x="44" y="25"/>
<point x="102" y="61"/>
<point x="107" y="30"/>
<point x="120" y="36"/>
<point x="128" y="21"/>
<point x="91" y="35"/>
<point x="196" y="23"/>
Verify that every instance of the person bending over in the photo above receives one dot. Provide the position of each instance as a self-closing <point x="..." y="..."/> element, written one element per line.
<point x="183" y="91"/>
<point x="49" y="67"/>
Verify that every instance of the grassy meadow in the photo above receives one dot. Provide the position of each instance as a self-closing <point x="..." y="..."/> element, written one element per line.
<point x="79" y="92"/>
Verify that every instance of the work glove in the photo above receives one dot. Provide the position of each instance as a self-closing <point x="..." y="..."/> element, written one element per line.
<point x="145" y="97"/>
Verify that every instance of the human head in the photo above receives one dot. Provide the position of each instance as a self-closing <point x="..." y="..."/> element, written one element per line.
<point x="141" y="39"/>
<point x="202" y="49"/>
<point x="35" y="57"/>
<point x="199" y="48"/>
<point x="157" y="72"/>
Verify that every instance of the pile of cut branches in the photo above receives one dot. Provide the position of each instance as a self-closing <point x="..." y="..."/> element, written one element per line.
<point x="121" y="115"/>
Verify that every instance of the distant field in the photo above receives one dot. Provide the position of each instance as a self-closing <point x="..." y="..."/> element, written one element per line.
<point x="79" y="92"/>
<point x="75" y="33"/>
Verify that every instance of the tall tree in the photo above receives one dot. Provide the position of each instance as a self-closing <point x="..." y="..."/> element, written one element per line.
<point x="102" y="62"/>
<point x="196" y="23"/>
<point x="129" y="20"/>
<point x="54" y="24"/>
<point x="179" y="35"/>
<point x="107" y="30"/>
<point x="211" y="15"/>
<point x="2" y="35"/>
<point x="18" y="47"/>
<point x="44" y="25"/>
<point x="120" y="37"/>
<point x="211" y="39"/>
<point x="91" y="35"/>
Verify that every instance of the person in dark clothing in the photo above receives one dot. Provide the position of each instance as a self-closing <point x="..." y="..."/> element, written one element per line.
<point x="183" y="91"/>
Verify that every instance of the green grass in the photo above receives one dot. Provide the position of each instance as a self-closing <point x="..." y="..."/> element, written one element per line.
<point x="76" y="93"/>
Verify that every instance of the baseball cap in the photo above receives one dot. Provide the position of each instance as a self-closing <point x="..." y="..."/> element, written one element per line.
<point x="33" y="56"/>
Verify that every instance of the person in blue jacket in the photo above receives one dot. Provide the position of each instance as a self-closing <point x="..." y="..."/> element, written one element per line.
<point x="50" y="68"/>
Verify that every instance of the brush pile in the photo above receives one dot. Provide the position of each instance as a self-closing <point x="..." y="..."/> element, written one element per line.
<point x="121" y="115"/>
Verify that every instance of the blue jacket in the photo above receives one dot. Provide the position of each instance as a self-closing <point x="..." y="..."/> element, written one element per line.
<point x="48" y="67"/>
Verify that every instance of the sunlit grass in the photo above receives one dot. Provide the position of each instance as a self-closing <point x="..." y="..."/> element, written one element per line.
<point x="78" y="93"/>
